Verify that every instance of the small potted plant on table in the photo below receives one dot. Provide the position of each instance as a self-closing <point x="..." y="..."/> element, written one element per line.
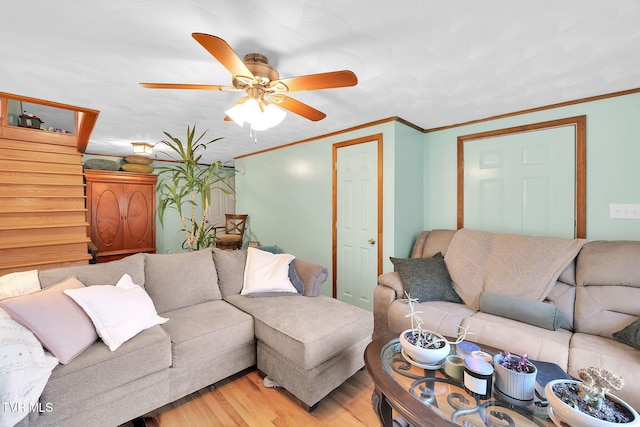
<point x="589" y="403"/>
<point x="515" y="378"/>
<point x="423" y="347"/>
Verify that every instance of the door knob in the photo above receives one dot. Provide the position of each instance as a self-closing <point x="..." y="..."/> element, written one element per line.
<point x="372" y="241"/>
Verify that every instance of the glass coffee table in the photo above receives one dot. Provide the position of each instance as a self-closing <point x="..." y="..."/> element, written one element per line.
<point x="428" y="397"/>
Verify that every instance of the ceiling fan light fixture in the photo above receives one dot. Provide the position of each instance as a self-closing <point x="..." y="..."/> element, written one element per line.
<point x="257" y="114"/>
<point x="271" y="117"/>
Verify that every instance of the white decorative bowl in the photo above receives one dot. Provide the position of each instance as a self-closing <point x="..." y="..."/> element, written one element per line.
<point x="560" y="412"/>
<point x="423" y="355"/>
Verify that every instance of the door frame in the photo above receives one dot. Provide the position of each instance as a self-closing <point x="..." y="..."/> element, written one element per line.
<point x="580" y="202"/>
<point x="334" y="202"/>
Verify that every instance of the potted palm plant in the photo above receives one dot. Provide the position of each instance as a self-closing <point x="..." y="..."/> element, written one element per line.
<point x="588" y="402"/>
<point x="515" y="378"/>
<point x="186" y="187"/>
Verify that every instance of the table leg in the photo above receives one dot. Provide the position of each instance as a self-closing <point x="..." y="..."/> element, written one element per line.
<point x="382" y="408"/>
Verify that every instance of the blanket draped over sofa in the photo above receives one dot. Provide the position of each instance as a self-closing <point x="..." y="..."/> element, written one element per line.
<point x="510" y="264"/>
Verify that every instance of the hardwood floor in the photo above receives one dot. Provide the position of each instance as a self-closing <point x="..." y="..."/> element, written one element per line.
<point x="242" y="400"/>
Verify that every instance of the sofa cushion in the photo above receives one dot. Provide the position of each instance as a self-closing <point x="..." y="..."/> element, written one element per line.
<point x="312" y="330"/>
<point x="431" y="242"/>
<point x="442" y="317"/>
<point x="118" y="312"/>
<point x="98" y="369"/>
<point x="535" y="313"/>
<point x="609" y="263"/>
<point x="520" y="338"/>
<point x="107" y="273"/>
<point x="201" y="331"/>
<point x="180" y="280"/>
<point x="604" y="310"/>
<point x="426" y="279"/>
<point x="230" y="267"/>
<point x="60" y="324"/>
<point x="589" y="350"/>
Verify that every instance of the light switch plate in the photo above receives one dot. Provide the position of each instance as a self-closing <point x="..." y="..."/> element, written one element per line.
<point x="624" y="211"/>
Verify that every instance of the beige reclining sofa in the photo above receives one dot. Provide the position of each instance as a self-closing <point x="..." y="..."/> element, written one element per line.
<point x="589" y="317"/>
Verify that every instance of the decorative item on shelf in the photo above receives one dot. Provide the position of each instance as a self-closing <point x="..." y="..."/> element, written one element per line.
<point x="139" y="164"/>
<point x="588" y="402"/>
<point x="30" y="121"/>
<point x="515" y="379"/>
<point x="422" y="347"/>
<point x="101" y="164"/>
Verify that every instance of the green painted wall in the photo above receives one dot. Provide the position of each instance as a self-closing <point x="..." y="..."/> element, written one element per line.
<point x="613" y="153"/>
<point x="288" y="193"/>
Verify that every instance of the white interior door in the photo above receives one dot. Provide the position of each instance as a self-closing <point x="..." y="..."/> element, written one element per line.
<point x="522" y="183"/>
<point x="221" y="203"/>
<point x="357" y="223"/>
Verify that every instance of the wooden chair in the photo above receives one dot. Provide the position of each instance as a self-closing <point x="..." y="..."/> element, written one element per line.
<point x="234" y="227"/>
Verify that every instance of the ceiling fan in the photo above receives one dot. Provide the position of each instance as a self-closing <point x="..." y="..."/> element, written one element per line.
<point x="263" y="86"/>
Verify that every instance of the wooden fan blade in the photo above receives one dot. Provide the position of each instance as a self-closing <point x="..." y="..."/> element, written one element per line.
<point x="300" y="108"/>
<point x="224" y="54"/>
<point x="187" y="86"/>
<point x="333" y="79"/>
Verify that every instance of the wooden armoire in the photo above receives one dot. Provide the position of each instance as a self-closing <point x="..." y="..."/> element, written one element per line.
<point x="121" y="207"/>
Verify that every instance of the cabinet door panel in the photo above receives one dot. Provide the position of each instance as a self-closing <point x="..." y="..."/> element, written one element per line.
<point x="138" y="216"/>
<point x="106" y="217"/>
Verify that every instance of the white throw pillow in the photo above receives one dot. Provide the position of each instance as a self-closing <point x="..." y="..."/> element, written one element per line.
<point x="19" y="283"/>
<point x="118" y="312"/>
<point x="267" y="272"/>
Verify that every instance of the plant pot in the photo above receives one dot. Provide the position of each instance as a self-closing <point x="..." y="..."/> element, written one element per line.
<point x="561" y="412"/>
<point x="518" y="386"/>
<point x="425" y="356"/>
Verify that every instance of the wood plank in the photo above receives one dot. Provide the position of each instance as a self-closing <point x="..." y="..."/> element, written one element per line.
<point x="242" y="400"/>
<point x="37" y="255"/>
<point x="27" y="166"/>
<point x="35" y="135"/>
<point x="19" y="238"/>
<point x="39" y="178"/>
<point x="16" y="220"/>
<point x="40" y="156"/>
<point x="42" y="190"/>
<point x="51" y="263"/>
<point x="35" y="146"/>
<point x="14" y="204"/>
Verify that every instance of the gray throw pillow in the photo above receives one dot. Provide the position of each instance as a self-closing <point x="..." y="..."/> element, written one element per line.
<point x="524" y="310"/>
<point x="630" y="335"/>
<point x="426" y="279"/>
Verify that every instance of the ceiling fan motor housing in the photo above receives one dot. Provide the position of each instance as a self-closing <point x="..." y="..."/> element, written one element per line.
<point x="259" y="66"/>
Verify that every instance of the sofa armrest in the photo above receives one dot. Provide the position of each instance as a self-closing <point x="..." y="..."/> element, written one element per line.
<point x="313" y="275"/>
<point x="392" y="280"/>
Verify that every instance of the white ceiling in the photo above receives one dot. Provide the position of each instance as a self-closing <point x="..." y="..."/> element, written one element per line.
<point x="431" y="62"/>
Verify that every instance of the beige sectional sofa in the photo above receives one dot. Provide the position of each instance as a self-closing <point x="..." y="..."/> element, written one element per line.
<point x="597" y="295"/>
<point x="309" y="344"/>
